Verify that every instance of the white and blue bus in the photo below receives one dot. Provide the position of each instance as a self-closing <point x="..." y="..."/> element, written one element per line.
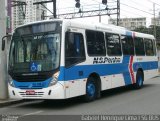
<point x="60" y="59"/>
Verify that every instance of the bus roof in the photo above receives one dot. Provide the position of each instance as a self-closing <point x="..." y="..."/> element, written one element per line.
<point x="96" y="26"/>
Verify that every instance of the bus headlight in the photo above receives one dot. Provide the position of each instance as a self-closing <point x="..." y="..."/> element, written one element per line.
<point x="10" y="81"/>
<point x="54" y="79"/>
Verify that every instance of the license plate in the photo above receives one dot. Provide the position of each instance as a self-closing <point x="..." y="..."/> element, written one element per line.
<point x="30" y="92"/>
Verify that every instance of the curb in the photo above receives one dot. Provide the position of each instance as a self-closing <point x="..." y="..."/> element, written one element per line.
<point x="10" y="102"/>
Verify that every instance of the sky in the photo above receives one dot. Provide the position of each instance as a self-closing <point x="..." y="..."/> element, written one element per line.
<point x="129" y="8"/>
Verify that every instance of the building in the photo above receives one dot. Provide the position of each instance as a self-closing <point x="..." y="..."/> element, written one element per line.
<point x="30" y="13"/>
<point x="130" y="23"/>
<point x="34" y="12"/>
<point x="9" y="17"/>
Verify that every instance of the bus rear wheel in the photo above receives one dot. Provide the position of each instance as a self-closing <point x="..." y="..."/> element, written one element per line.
<point x="139" y="80"/>
<point x="92" y="90"/>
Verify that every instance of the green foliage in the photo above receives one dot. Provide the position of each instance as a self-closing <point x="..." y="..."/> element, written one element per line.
<point x="158" y="46"/>
<point x="150" y="30"/>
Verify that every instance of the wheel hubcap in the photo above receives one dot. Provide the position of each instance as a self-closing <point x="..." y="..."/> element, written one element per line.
<point x="91" y="89"/>
<point x="140" y="81"/>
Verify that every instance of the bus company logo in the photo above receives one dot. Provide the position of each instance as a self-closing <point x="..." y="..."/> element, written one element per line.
<point x="101" y="60"/>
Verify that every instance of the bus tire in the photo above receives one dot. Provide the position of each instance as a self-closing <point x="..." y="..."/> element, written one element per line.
<point x="139" y="80"/>
<point x="92" y="90"/>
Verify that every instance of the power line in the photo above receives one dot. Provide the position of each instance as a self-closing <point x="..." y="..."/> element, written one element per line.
<point x="54" y="6"/>
<point x="96" y="1"/>
<point x="154" y="2"/>
<point x="107" y="2"/>
<point x="132" y="13"/>
<point x="136" y="8"/>
<point x="138" y="3"/>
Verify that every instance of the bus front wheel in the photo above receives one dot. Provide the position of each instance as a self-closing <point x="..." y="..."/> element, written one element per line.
<point x="91" y="90"/>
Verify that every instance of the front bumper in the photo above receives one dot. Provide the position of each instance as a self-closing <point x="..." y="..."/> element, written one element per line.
<point x="54" y="92"/>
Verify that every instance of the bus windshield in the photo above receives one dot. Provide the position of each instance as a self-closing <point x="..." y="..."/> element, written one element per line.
<point x="34" y="51"/>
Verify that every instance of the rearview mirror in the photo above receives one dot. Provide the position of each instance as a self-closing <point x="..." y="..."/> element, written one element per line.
<point x="3" y="41"/>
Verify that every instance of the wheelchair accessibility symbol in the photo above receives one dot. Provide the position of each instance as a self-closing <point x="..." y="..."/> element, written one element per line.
<point x="33" y="67"/>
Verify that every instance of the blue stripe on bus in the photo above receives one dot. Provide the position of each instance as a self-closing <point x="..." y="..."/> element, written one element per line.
<point x="145" y="65"/>
<point x="72" y="73"/>
<point x="127" y="78"/>
<point x="126" y="74"/>
<point x="128" y="33"/>
<point x="32" y="85"/>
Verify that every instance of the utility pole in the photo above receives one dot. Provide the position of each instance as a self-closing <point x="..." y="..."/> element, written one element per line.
<point x="118" y="12"/>
<point x="154" y="13"/>
<point x="3" y="54"/>
<point x="99" y="14"/>
<point x="54" y="9"/>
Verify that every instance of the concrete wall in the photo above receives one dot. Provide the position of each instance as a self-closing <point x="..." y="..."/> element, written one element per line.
<point x="3" y="62"/>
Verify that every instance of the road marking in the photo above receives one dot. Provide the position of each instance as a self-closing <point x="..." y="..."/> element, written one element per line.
<point x="28" y="114"/>
<point x="33" y="113"/>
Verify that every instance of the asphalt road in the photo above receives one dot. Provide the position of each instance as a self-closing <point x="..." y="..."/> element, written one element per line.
<point x="124" y="100"/>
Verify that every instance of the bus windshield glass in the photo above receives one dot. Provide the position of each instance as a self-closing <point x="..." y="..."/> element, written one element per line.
<point x="35" y="48"/>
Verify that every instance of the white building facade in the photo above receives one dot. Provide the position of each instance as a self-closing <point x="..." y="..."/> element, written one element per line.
<point x="129" y="23"/>
<point x="32" y="13"/>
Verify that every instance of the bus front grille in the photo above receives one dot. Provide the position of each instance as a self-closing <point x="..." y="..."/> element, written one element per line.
<point x="30" y="78"/>
<point x="36" y="94"/>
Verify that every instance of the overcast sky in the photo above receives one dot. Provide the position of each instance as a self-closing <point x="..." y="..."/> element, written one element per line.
<point x="129" y="8"/>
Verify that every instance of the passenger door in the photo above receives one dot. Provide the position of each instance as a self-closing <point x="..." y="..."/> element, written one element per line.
<point x="74" y="56"/>
<point x="114" y="52"/>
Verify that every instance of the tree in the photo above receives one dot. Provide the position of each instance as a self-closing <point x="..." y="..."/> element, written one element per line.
<point x="150" y="30"/>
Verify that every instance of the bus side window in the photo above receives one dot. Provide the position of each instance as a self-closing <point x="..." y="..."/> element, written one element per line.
<point x="74" y="48"/>
<point x="113" y="44"/>
<point x="95" y="43"/>
<point x="127" y="45"/>
<point x="139" y="46"/>
<point x="149" y="48"/>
